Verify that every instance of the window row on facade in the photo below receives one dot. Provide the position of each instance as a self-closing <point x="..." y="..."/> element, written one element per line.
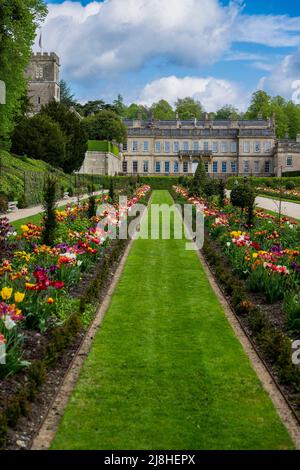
<point x="214" y="147"/>
<point x="184" y="167"/>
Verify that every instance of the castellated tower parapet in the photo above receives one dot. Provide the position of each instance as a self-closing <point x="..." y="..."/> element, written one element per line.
<point x="43" y="79"/>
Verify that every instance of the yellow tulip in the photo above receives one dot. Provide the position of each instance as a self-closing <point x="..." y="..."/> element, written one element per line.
<point x="19" y="297"/>
<point x="24" y="228"/>
<point x="6" y="293"/>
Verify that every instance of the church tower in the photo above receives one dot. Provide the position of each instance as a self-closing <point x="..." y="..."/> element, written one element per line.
<point x="43" y="75"/>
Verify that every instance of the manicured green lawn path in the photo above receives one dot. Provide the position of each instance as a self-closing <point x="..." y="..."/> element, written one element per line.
<point x="166" y="370"/>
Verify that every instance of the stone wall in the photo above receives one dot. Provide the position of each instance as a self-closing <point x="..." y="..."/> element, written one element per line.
<point x="101" y="163"/>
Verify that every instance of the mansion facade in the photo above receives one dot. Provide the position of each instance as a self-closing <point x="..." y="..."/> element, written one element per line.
<point x="226" y="147"/>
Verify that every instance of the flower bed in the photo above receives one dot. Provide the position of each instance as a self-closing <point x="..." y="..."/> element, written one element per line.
<point x="292" y="194"/>
<point x="258" y="268"/>
<point x="41" y="298"/>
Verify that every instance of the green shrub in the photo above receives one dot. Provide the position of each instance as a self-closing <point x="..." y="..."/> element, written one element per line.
<point x="291" y="307"/>
<point x="290" y="185"/>
<point x="50" y="223"/>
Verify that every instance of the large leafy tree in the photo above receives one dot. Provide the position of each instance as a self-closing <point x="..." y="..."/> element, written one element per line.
<point x="135" y="110"/>
<point x="40" y="138"/>
<point x="73" y="129"/>
<point x="18" y="23"/>
<point x="162" y="110"/>
<point x="188" y="108"/>
<point x="260" y="106"/>
<point x="105" y="125"/>
<point x="227" y="112"/>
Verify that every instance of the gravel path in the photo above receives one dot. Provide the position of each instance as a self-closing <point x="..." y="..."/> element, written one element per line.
<point x="290" y="209"/>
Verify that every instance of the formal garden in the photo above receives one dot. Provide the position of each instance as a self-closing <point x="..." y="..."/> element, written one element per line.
<point x="165" y="369"/>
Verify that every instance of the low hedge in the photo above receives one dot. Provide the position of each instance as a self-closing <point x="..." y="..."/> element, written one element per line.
<point x="156" y="182"/>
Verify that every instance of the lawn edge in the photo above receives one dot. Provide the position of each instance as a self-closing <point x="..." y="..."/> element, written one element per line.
<point x="50" y="424"/>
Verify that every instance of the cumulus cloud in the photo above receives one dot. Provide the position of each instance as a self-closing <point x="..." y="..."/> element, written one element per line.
<point x="284" y="78"/>
<point x="120" y="35"/>
<point x="103" y="41"/>
<point x="211" y="92"/>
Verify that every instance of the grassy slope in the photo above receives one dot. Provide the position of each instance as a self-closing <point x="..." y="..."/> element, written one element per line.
<point x="12" y="177"/>
<point x="166" y="370"/>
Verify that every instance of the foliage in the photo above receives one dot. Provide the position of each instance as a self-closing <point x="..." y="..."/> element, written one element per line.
<point x="227" y="112"/>
<point x="50" y="223"/>
<point x="136" y="110"/>
<point x="41" y="138"/>
<point x="199" y="181"/>
<point x="242" y="196"/>
<point x="291" y="307"/>
<point x="92" y="207"/>
<point x="66" y="96"/>
<point x="188" y="108"/>
<point x="162" y="110"/>
<point x="18" y="23"/>
<point x="222" y="193"/>
<point x="105" y="125"/>
<point x="73" y="130"/>
<point x="111" y="190"/>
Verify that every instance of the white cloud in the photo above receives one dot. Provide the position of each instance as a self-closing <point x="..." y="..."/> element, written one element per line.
<point x="105" y="40"/>
<point x="119" y="35"/>
<point x="281" y="80"/>
<point x="211" y="92"/>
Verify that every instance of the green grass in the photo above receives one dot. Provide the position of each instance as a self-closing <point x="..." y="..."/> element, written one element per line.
<point x="102" y="146"/>
<point x="165" y="370"/>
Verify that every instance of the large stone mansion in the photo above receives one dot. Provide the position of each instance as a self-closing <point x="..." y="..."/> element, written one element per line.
<point x="226" y="147"/>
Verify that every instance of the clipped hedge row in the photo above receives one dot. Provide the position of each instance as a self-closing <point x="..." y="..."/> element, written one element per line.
<point x="156" y="182"/>
<point x="267" y="182"/>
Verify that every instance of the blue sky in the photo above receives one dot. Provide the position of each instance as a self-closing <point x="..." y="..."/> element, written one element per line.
<point x="214" y="50"/>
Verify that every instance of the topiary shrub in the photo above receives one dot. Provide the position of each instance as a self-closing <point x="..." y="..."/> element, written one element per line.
<point x="50" y="223"/>
<point x="243" y="196"/>
<point x="199" y="181"/>
<point x="290" y="185"/>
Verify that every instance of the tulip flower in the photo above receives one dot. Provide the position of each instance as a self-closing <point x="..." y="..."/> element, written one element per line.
<point x="19" y="297"/>
<point x="6" y="293"/>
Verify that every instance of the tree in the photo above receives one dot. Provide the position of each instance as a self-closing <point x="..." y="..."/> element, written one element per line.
<point x="243" y="196"/>
<point x="260" y="106"/>
<point x="227" y="112"/>
<point x="188" y="108"/>
<point x="119" y="106"/>
<point x="162" y="110"/>
<point x="66" y="96"/>
<point x="18" y="24"/>
<point x="73" y="129"/>
<point x="105" y="125"/>
<point x="199" y="181"/>
<point x="134" y="110"/>
<point x="90" y="108"/>
<point x="222" y="193"/>
<point x="49" y="203"/>
<point x="40" y="138"/>
<point x="293" y="114"/>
